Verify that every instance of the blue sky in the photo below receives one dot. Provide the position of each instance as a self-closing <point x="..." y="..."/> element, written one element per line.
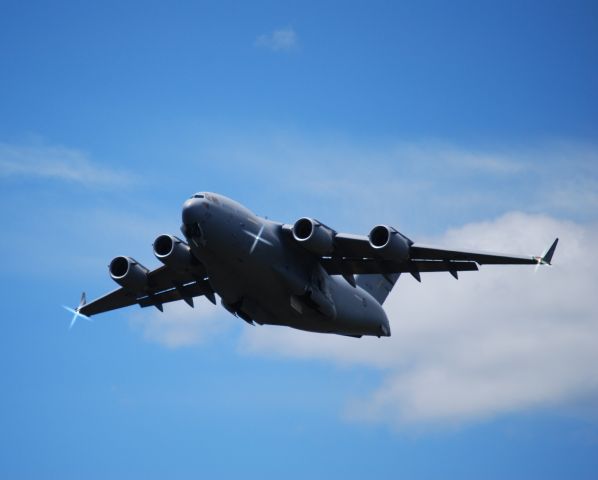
<point x="471" y="124"/>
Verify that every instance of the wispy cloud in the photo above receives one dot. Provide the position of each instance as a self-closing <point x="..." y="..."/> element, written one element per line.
<point x="57" y="163"/>
<point x="498" y="341"/>
<point x="411" y="182"/>
<point x="179" y="325"/>
<point x="280" y="40"/>
<point x="502" y="340"/>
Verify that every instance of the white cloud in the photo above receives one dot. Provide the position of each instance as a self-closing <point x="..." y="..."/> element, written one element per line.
<point x="179" y="325"/>
<point x="283" y="39"/>
<point x="417" y="184"/>
<point x="502" y="340"/>
<point x="58" y="163"/>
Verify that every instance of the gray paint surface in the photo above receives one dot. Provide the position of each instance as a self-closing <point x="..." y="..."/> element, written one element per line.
<point x="301" y="276"/>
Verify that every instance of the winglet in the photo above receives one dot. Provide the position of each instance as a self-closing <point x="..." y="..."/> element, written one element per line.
<point x="547" y="258"/>
<point x="76" y="311"/>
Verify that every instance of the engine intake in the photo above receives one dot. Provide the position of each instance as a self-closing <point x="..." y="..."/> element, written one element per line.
<point x="172" y="251"/>
<point x="388" y="243"/>
<point x="314" y="236"/>
<point x="129" y="273"/>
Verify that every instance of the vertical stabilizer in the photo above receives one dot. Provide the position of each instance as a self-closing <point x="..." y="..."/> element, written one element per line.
<point x="378" y="285"/>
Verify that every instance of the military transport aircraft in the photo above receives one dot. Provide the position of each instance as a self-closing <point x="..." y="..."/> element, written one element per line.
<point x="306" y="275"/>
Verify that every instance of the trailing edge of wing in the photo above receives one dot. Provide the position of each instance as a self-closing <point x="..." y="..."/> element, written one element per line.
<point x="184" y="292"/>
<point x="424" y="252"/>
<point x="347" y="266"/>
<point x="122" y="298"/>
<point x="164" y="285"/>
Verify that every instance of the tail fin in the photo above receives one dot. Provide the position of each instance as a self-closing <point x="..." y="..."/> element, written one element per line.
<point x="378" y="285"/>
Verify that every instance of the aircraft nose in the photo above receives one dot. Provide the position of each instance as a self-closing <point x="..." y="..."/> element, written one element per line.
<point x="191" y="210"/>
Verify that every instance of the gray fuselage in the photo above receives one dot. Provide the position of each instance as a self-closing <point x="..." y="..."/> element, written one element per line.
<point x="263" y="275"/>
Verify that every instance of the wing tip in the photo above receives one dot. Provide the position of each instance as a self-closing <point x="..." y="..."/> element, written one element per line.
<point x="547" y="258"/>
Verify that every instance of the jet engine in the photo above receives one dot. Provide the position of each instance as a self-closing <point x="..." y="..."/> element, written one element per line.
<point x="172" y="251"/>
<point x="129" y="273"/>
<point x="314" y="236"/>
<point x="388" y="243"/>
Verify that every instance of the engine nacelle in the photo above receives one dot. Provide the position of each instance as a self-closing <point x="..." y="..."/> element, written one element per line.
<point x="172" y="251"/>
<point x="388" y="243"/>
<point x="129" y="273"/>
<point x="313" y="236"/>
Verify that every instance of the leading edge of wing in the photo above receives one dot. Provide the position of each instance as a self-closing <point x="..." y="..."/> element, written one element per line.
<point x="118" y="298"/>
<point x="164" y="285"/>
<point x="426" y="252"/>
<point x="121" y="298"/>
<point x="351" y="246"/>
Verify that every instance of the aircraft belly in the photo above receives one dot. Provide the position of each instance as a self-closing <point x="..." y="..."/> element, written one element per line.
<point x="257" y="291"/>
<point x="267" y="283"/>
<point x="357" y="311"/>
<point x="261" y="295"/>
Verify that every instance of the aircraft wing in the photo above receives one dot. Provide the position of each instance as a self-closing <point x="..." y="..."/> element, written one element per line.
<point x="425" y="252"/>
<point x="164" y="285"/>
<point x="353" y="255"/>
<point x="358" y="266"/>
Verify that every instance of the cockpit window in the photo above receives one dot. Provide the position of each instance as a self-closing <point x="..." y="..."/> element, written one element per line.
<point x="198" y="195"/>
